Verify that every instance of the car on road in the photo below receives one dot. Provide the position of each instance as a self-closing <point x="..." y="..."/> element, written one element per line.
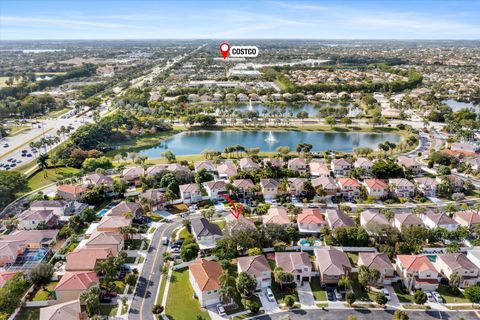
<point x="269" y="295"/>
<point x="165" y="241"/>
<point x="437" y="297"/>
<point x="386" y="294"/>
<point x="6" y="145"/>
<point x="221" y="310"/>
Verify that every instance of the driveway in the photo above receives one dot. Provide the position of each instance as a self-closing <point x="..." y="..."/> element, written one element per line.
<point x="305" y="295"/>
<point x="268" y="306"/>
<point x="394" y="302"/>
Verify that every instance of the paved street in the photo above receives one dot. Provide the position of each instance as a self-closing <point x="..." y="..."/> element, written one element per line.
<point x="149" y="280"/>
<point x="337" y="314"/>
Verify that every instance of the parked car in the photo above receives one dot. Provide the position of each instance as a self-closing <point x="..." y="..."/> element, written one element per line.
<point x="437" y="297"/>
<point x="338" y="295"/>
<point x="386" y="294"/>
<point x="330" y="295"/>
<point x="269" y="295"/>
<point x="221" y="310"/>
<point x="430" y="297"/>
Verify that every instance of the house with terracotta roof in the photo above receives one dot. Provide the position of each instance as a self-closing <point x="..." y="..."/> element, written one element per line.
<point x="205" y="164"/>
<point x="332" y="264"/>
<point x="205" y="232"/>
<point x="340" y="167"/>
<point x="204" y="276"/>
<point x="405" y="220"/>
<point x="310" y="221"/>
<point x="402" y="188"/>
<point x="449" y="263"/>
<point x="296" y="263"/>
<point x="31" y="219"/>
<point x="70" y="310"/>
<point x="378" y="261"/>
<point x="298" y="165"/>
<point x="111" y="240"/>
<point x="226" y="170"/>
<point x="376" y="188"/>
<point x="113" y="223"/>
<point x="5" y="276"/>
<point x="318" y="169"/>
<point x="215" y="189"/>
<point x="328" y="184"/>
<point x="296" y="186"/>
<point x="10" y="250"/>
<point x="364" y="164"/>
<point x="349" y="188"/>
<point x="247" y="164"/>
<point x="427" y="186"/>
<point x="85" y="259"/>
<point x="133" y="175"/>
<point x="70" y="192"/>
<point x="410" y="164"/>
<point x="124" y="208"/>
<point x="257" y="267"/>
<point x="72" y="284"/>
<point x="467" y="218"/>
<point x="434" y="220"/>
<point x="154" y="197"/>
<point x="277" y="215"/>
<point x="373" y="221"/>
<point x="417" y="272"/>
<point x="190" y="193"/>
<point x="245" y="187"/>
<point x="269" y="188"/>
<point x="336" y="218"/>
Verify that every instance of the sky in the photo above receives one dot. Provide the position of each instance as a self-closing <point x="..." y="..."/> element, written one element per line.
<point x="235" y="19"/>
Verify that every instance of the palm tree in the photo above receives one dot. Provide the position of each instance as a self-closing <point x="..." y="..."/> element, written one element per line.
<point x="227" y="286"/>
<point x="42" y="163"/>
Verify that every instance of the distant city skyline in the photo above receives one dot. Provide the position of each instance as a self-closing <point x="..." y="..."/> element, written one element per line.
<point x="54" y="19"/>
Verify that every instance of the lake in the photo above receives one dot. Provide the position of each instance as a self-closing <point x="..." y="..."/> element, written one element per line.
<point x="288" y="109"/>
<point x="188" y="143"/>
<point x="457" y="105"/>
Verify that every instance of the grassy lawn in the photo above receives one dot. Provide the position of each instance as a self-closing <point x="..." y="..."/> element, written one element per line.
<point x="317" y="290"/>
<point x="108" y="310"/>
<point x="403" y="297"/>
<point x="42" y="295"/>
<point x="184" y="233"/>
<point x="220" y="224"/>
<point x="119" y="286"/>
<point x="151" y="230"/>
<point x="130" y="260"/>
<point x="359" y="292"/>
<point x="161" y="289"/>
<point x="449" y="298"/>
<point x="279" y="294"/>
<point x="353" y="257"/>
<point x="133" y="244"/>
<point x="17" y="129"/>
<point x="415" y="307"/>
<point x="181" y="291"/>
<point x="28" y="314"/>
<point x="38" y="180"/>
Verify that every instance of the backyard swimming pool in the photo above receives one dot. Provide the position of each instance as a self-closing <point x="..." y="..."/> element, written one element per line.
<point x="102" y="212"/>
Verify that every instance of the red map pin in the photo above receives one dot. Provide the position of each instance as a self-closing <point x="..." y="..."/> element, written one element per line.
<point x="224" y="49"/>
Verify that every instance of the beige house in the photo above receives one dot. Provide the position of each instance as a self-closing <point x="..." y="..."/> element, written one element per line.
<point x="296" y="263"/>
<point x="402" y="188"/>
<point x="70" y="192"/>
<point x="417" y="272"/>
<point x="226" y="170"/>
<point x="332" y="264"/>
<point x="380" y="262"/>
<point x="190" y="193"/>
<point x="205" y="232"/>
<point x="204" y="276"/>
<point x="335" y="218"/>
<point x="70" y="310"/>
<point x="276" y="215"/>
<point x="450" y="263"/>
<point x="257" y="267"/>
<point x="245" y="187"/>
<point x="31" y="219"/>
<point x="296" y="185"/>
<point x="72" y="284"/>
<point x="215" y="189"/>
<point x="298" y="165"/>
<point x="410" y="163"/>
<point x="364" y="164"/>
<point x="373" y="221"/>
<point x="205" y="164"/>
<point x="467" y="218"/>
<point x="427" y="186"/>
<point x="407" y="219"/>
<point x="328" y="184"/>
<point x="318" y="169"/>
<point x="247" y="164"/>
<point x="269" y="188"/>
<point x="340" y="167"/>
<point x="111" y="240"/>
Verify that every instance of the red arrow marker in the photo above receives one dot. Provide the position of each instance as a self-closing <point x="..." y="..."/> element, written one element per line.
<point x="224" y="49"/>
<point x="235" y="212"/>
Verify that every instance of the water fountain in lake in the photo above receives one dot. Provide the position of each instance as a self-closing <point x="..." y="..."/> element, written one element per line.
<point x="250" y="106"/>
<point x="270" y="138"/>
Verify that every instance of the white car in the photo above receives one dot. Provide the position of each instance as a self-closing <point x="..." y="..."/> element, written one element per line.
<point x="269" y="295"/>
<point x="221" y="310"/>
<point x="430" y="297"/>
<point x="386" y="294"/>
<point x="437" y="297"/>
